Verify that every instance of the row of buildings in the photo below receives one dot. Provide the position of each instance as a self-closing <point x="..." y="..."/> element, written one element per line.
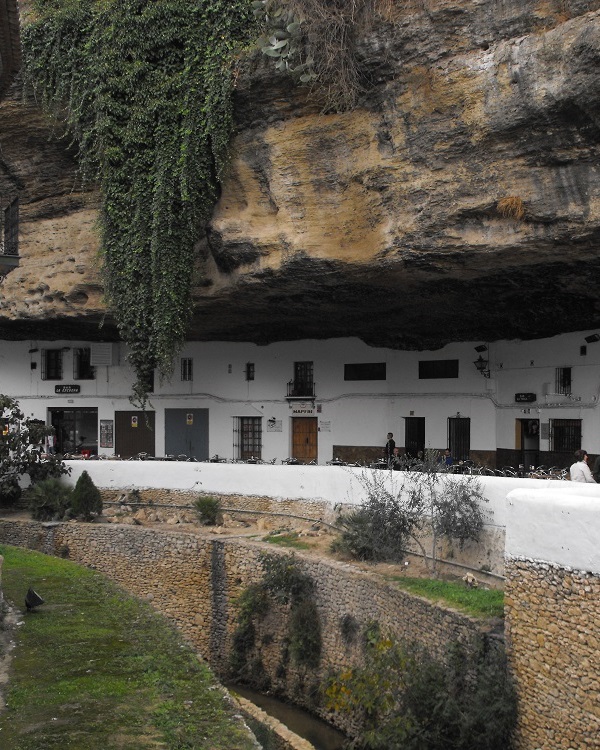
<point x="499" y="403"/>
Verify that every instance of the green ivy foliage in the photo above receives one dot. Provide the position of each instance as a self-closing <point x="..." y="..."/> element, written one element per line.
<point x="145" y="88"/>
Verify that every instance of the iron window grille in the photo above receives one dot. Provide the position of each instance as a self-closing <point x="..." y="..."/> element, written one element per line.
<point x="187" y="368"/>
<point x="52" y="364"/>
<point x="302" y="386"/>
<point x="565" y="435"/>
<point x="247" y="437"/>
<point x="563" y="381"/>
<point x="82" y="367"/>
<point x="249" y="370"/>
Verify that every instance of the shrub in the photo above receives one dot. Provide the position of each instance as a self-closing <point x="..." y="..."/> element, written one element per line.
<point x="22" y="451"/>
<point x="407" y="700"/>
<point x="417" y="505"/>
<point x="208" y="509"/>
<point x="86" y="500"/>
<point x="49" y="500"/>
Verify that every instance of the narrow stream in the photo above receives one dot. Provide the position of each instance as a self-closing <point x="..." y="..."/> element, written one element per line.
<point x="317" y="732"/>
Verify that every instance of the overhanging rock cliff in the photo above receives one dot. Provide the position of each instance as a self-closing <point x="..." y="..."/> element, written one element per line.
<point x="460" y="200"/>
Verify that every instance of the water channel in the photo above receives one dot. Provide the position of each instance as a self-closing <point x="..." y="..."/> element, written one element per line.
<point x="317" y="732"/>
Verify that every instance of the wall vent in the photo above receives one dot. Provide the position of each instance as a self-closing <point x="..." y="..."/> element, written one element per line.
<point x="102" y="355"/>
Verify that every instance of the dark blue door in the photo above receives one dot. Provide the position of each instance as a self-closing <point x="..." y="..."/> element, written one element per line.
<point x="186" y="432"/>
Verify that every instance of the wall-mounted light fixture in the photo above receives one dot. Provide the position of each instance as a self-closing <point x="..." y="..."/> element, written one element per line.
<point x="592" y="338"/>
<point x="481" y="365"/>
<point x="481" y="348"/>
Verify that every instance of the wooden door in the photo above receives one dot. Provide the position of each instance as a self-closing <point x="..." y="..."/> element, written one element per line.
<point x="304" y="439"/>
<point x="134" y="433"/>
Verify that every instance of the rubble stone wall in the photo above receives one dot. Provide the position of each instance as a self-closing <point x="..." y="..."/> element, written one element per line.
<point x="553" y="637"/>
<point x="196" y="581"/>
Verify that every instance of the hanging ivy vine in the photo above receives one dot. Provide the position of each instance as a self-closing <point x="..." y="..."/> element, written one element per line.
<point x="145" y="87"/>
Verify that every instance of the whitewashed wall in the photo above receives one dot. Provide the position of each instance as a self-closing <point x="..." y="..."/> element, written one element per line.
<point x="357" y="412"/>
<point x="560" y="526"/>
<point x="334" y="485"/>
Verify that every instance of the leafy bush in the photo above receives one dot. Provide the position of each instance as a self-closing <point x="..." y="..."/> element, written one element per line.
<point x="407" y="700"/>
<point x="86" y="500"/>
<point x="49" y="500"/>
<point x="22" y="451"/>
<point x="412" y="505"/>
<point x="379" y="529"/>
<point x="208" y="509"/>
<point x="285" y="583"/>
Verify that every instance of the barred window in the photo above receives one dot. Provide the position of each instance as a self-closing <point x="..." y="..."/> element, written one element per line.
<point x="9" y="228"/>
<point x="52" y="364"/>
<point x="565" y="435"/>
<point x="82" y="367"/>
<point x="187" y="368"/>
<point x="563" y="380"/>
<point x="249" y="370"/>
<point x="247" y="437"/>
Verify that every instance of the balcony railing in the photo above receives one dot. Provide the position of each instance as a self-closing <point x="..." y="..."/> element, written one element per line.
<point x="300" y="389"/>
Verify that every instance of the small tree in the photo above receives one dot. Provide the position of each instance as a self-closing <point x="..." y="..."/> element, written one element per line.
<point x="426" y="504"/>
<point x="22" y="451"/>
<point x="86" y="500"/>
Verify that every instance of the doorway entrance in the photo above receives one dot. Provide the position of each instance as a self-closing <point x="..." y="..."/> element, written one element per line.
<point x="414" y="436"/>
<point x="304" y="439"/>
<point x="528" y="442"/>
<point x="76" y="430"/>
<point x="186" y="432"/>
<point x="134" y="433"/>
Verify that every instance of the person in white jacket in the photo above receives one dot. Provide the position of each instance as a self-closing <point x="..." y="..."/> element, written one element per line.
<point x="580" y="471"/>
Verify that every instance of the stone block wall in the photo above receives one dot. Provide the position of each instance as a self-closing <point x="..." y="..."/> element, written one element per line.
<point x="196" y="582"/>
<point x="553" y="639"/>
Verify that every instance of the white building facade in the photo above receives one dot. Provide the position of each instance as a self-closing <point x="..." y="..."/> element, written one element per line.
<point x="524" y="402"/>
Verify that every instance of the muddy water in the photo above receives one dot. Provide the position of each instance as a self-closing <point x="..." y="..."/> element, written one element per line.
<point x="317" y="732"/>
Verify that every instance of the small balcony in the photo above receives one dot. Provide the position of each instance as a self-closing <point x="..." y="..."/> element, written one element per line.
<point x="300" y="390"/>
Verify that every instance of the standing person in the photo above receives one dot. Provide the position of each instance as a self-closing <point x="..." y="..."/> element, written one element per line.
<point x="389" y="447"/>
<point x="580" y="471"/>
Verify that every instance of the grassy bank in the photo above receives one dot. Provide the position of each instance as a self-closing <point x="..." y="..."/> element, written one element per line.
<point x="479" y="602"/>
<point x="95" y="668"/>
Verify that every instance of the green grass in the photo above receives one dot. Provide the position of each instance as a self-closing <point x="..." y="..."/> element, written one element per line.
<point x="474" y="601"/>
<point x="286" y="540"/>
<point x="96" y="668"/>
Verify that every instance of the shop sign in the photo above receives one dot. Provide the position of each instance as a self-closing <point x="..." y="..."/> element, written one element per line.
<point x="525" y="398"/>
<point x="67" y="389"/>
<point x="303" y="407"/>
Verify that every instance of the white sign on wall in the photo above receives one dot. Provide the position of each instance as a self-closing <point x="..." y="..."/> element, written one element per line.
<point x="303" y="407"/>
<point x="324" y="426"/>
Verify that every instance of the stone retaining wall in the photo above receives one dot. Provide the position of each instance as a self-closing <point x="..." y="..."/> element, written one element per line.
<point x="553" y="638"/>
<point x="195" y="581"/>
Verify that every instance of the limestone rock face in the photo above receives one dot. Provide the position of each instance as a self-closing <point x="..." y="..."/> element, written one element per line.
<point x="385" y="222"/>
